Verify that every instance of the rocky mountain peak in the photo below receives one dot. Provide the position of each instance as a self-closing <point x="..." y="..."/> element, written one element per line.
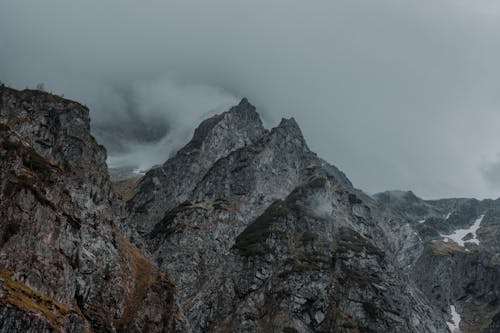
<point x="290" y="125"/>
<point x="244" y="104"/>
<point x="288" y="131"/>
<point x="171" y="184"/>
<point x="240" y="123"/>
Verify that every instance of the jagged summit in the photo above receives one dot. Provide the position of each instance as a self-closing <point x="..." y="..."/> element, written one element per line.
<point x="240" y="121"/>
<point x="290" y="125"/>
<point x="165" y="187"/>
<point x="289" y="128"/>
<point x="245" y="104"/>
<point x="235" y="134"/>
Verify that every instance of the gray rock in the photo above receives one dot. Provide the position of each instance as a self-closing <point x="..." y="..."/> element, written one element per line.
<point x="64" y="264"/>
<point x="165" y="187"/>
<point x="272" y="237"/>
<point x="466" y="277"/>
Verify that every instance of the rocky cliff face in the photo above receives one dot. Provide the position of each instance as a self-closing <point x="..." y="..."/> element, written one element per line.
<point x="167" y="186"/>
<point x="269" y="237"/>
<point x="243" y="230"/>
<point x="456" y="255"/>
<point x="64" y="264"/>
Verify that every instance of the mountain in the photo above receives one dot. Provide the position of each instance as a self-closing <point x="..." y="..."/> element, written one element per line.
<point x="456" y="260"/>
<point x="244" y="229"/>
<point x="65" y="265"/>
<point x="266" y="236"/>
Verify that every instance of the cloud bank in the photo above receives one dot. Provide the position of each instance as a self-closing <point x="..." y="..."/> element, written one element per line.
<point x="398" y="94"/>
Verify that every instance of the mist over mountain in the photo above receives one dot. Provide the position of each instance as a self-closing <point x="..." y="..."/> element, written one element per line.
<point x="152" y="119"/>
<point x="242" y="229"/>
<point x="249" y="166"/>
<point x="409" y="86"/>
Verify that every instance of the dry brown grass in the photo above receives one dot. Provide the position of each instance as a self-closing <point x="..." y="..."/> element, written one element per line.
<point x="126" y="188"/>
<point x="146" y="275"/>
<point x="443" y="248"/>
<point x="28" y="300"/>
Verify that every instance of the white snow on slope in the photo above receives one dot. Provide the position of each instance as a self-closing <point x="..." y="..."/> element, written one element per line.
<point x="454" y="324"/>
<point x="447" y="216"/>
<point x="422" y="221"/>
<point x="459" y="234"/>
<point x="138" y="171"/>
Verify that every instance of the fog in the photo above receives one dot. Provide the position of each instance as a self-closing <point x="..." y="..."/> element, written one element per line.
<point x="398" y="94"/>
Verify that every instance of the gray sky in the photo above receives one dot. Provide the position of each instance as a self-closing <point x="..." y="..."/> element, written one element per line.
<point x="398" y="94"/>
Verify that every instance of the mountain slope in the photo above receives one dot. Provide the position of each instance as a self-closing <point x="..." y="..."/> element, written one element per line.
<point x="64" y="264"/>
<point x="168" y="185"/>
<point x="459" y="259"/>
<point x="272" y="238"/>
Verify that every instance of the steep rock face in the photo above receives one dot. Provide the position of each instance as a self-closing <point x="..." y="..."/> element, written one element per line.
<point x="64" y="265"/>
<point x="272" y="238"/>
<point x="307" y="268"/>
<point x="237" y="188"/>
<point x="458" y="263"/>
<point x="165" y="187"/>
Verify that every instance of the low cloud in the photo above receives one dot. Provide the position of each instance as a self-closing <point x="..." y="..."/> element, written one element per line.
<point x="398" y="94"/>
<point x="491" y="174"/>
<point x="145" y="122"/>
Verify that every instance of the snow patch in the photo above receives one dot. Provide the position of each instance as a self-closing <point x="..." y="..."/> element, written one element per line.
<point x="422" y="221"/>
<point x="138" y="171"/>
<point x="454" y="323"/>
<point x="447" y="216"/>
<point x="460" y="234"/>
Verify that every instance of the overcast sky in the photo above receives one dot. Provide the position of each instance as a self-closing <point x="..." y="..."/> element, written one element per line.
<point x="398" y="94"/>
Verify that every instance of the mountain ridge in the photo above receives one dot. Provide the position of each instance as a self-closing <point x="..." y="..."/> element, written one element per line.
<point x="245" y="190"/>
<point x="243" y="229"/>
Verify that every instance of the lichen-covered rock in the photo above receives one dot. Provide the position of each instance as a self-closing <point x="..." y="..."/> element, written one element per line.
<point x="65" y="267"/>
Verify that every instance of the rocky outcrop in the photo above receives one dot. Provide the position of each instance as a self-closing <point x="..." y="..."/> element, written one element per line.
<point x="165" y="187"/>
<point x="65" y="267"/>
<point x="270" y="237"/>
<point x="457" y="265"/>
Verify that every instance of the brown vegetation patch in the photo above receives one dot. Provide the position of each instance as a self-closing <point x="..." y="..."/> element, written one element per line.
<point x="26" y="299"/>
<point x="126" y="188"/>
<point x="476" y="318"/>
<point x="351" y="240"/>
<point x="146" y="276"/>
<point x="442" y="248"/>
